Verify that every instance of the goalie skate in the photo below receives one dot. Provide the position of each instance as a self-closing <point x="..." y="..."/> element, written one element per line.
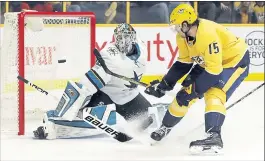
<point x="48" y="130"/>
<point x="211" y="145"/>
<point x="40" y="133"/>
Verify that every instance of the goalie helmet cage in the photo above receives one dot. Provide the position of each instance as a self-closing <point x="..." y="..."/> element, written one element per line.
<point x="33" y="42"/>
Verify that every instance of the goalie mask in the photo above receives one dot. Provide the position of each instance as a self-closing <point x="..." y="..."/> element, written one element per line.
<point x="125" y="37"/>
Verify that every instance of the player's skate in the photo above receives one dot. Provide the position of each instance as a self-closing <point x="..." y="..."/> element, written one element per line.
<point x="160" y="133"/>
<point x="213" y="144"/>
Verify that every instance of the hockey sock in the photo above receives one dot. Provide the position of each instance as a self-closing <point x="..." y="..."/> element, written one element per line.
<point x="215" y="110"/>
<point x="214" y="121"/>
<point x="170" y="120"/>
<point x="175" y="113"/>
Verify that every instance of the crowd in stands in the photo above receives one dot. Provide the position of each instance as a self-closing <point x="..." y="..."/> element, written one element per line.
<point x="232" y="12"/>
<point x="146" y="12"/>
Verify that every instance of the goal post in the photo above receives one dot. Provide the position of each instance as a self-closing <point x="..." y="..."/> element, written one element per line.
<point x="32" y="45"/>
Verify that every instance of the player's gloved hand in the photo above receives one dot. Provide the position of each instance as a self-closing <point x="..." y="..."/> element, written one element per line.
<point x="186" y="94"/>
<point x="154" y="89"/>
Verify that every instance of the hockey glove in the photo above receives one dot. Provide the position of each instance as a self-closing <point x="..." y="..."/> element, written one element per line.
<point x="186" y="94"/>
<point x="154" y="89"/>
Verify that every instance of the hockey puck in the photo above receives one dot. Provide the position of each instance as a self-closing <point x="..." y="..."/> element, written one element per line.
<point x="62" y="61"/>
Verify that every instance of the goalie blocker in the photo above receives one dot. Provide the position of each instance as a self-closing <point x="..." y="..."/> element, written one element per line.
<point x="67" y="120"/>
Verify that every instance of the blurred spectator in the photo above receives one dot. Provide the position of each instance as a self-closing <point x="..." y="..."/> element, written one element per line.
<point x="57" y="6"/>
<point x="152" y="11"/>
<point x="2" y="12"/>
<point x="116" y="14"/>
<point x="243" y="12"/>
<point x="224" y="12"/>
<point x="111" y="12"/>
<point x="149" y="12"/>
<point x="73" y="7"/>
<point x="30" y="5"/>
<point x="207" y="10"/>
<point x="213" y="10"/>
<point x="106" y="12"/>
<point x="173" y="4"/>
<point x="259" y="12"/>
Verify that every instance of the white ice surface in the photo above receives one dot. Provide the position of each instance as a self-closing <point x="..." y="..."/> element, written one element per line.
<point x="243" y="137"/>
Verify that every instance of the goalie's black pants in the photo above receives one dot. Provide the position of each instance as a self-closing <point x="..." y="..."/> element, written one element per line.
<point x="136" y="107"/>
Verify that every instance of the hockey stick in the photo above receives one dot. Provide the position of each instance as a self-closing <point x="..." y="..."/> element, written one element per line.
<point x="106" y="69"/>
<point x="90" y="119"/>
<point x="233" y="104"/>
<point x="242" y="98"/>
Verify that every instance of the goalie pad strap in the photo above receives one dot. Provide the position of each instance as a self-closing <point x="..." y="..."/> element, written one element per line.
<point x="95" y="79"/>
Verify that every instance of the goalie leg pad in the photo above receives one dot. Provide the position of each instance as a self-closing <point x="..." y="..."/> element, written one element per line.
<point x="106" y="113"/>
<point x="56" y="127"/>
<point x="74" y="98"/>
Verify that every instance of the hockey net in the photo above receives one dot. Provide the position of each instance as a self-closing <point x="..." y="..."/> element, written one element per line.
<point x="32" y="43"/>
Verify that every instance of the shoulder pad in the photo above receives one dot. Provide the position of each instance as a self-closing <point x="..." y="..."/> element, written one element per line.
<point x="110" y="50"/>
<point x="109" y="54"/>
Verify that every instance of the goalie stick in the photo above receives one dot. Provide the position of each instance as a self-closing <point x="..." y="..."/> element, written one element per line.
<point x="106" y="69"/>
<point x="90" y="119"/>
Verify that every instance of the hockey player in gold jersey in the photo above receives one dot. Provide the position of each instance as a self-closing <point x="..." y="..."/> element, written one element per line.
<point x="221" y="63"/>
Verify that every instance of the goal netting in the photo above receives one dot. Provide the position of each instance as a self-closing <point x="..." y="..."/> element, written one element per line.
<point x="32" y="43"/>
